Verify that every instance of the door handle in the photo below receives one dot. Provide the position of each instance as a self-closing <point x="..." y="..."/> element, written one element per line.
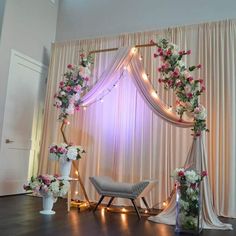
<point x="8" y="141"/>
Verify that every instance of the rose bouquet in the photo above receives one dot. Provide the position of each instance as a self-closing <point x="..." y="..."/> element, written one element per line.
<point x="66" y="152"/>
<point x="188" y="199"/>
<point x="47" y="185"/>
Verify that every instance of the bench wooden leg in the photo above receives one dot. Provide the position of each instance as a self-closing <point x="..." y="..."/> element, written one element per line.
<point x="135" y="207"/>
<point x="100" y="200"/>
<point x="111" y="200"/>
<point x="145" y="203"/>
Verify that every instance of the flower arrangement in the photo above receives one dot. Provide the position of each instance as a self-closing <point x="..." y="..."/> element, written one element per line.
<point x="47" y="185"/>
<point x="66" y="152"/>
<point x="188" y="197"/>
<point x="75" y="82"/>
<point x="175" y="75"/>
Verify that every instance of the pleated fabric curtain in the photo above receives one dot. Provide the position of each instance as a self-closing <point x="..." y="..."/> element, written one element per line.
<point x="126" y="140"/>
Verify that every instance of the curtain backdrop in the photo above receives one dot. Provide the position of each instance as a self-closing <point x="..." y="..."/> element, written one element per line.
<point x="122" y="136"/>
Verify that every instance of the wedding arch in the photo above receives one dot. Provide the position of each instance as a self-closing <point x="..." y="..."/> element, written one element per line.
<point x="129" y="58"/>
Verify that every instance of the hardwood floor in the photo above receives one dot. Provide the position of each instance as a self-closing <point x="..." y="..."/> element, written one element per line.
<point x="19" y="215"/>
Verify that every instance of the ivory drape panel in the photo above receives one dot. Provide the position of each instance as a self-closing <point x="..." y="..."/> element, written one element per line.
<point x="126" y="140"/>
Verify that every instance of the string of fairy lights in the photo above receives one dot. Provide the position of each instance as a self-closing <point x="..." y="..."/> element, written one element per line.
<point x="106" y="92"/>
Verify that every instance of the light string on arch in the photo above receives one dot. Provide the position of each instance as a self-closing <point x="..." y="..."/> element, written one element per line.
<point x="107" y="91"/>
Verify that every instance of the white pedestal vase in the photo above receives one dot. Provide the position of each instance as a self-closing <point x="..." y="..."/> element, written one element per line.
<point x="65" y="167"/>
<point x="48" y="202"/>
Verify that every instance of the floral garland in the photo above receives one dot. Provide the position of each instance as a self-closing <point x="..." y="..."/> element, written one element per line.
<point x="175" y="75"/>
<point x="75" y="83"/>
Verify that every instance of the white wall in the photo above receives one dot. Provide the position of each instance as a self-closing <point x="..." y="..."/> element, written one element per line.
<point x="92" y="18"/>
<point x="29" y="26"/>
<point x="2" y="6"/>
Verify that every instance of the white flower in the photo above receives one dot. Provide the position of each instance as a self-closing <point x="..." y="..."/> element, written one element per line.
<point x="77" y="96"/>
<point x="183" y="204"/>
<point x="54" y="187"/>
<point x="70" y="110"/>
<point x="62" y="93"/>
<point x="64" y="188"/>
<point x="72" y="153"/>
<point x="187" y="88"/>
<point x="191" y="176"/>
<point x="200" y="112"/>
<point x="175" y="173"/>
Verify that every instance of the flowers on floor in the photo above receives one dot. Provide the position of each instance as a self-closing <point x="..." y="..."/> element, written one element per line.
<point x="66" y="152"/>
<point x="175" y="75"/>
<point x="75" y="83"/>
<point x="47" y="185"/>
<point x="188" y="198"/>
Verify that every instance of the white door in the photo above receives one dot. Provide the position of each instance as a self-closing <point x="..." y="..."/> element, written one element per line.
<point x="22" y="122"/>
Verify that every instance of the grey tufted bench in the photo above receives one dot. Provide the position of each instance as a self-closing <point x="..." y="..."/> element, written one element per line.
<point x="107" y="187"/>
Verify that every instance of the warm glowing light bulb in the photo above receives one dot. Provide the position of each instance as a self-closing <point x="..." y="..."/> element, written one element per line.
<point x="123" y="210"/>
<point x="154" y="94"/>
<point x="125" y="68"/>
<point x="85" y="108"/>
<point x="140" y="58"/>
<point x="133" y="50"/>
<point x="66" y="122"/>
<point x="146" y="211"/>
<point x="164" y="204"/>
<point x="76" y="192"/>
<point x="76" y="172"/>
<point x="101" y="100"/>
<point x="145" y="77"/>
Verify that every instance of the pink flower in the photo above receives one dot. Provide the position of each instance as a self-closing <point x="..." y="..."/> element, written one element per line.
<point x="178" y="83"/>
<point x="155" y="55"/>
<point x="176" y="73"/>
<point x="61" y="150"/>
<point x="77" y="88"/>
<point x="190" y="95"/>
<point x="53" y="149"/>
<point x="160" y="80"/>
<point x="181" y="52"/>
<point x="70" y="66"/>
<point x="169" y="52"/>
<point x="61" y="84"/>
<point x="203" y="88"/>
<point x="86" y="78"/>
<point x="201" y="81"/>
<point x="199" y="66"/>
<point x="181" y="174"/>
<point x="68" y="88"/>
<point x="82" y="55"/>
<point x="77" y="108"/>
<point x="188" y="52"/>
<point x="190" y="79"/>
<point x="204" y="173"/>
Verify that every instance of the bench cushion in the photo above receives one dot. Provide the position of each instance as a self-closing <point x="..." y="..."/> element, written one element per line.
<point x="108" y="187"/>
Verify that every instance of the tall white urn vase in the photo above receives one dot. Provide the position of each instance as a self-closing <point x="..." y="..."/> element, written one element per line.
<point x="65" y="167"/>
<point x="48" y="202"/>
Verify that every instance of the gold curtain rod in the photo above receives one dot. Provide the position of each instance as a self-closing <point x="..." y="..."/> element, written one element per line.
<point x="114" y="49"/>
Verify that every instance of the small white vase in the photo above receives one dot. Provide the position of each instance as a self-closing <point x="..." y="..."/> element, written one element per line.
<point x="65" y="167"/>
<point x="48" y="202"/>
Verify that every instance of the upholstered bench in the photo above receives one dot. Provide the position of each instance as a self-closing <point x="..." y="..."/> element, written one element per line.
<point x="107" y="187"/>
